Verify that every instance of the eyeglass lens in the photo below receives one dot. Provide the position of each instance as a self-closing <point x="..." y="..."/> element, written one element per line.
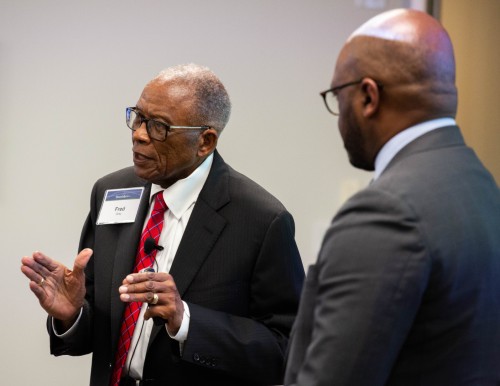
<point x="332" y="102"/>
<point x="156" y="130"/>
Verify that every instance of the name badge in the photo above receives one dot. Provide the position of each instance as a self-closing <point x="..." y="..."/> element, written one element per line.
<point x="120" y="206"/>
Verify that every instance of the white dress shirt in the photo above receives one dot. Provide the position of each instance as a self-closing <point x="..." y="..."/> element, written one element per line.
<point x="180" y="199"/>
<point x="403" y="138"/>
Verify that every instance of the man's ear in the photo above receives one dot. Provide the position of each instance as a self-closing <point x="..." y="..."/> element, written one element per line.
<point x="371" y="102"/>
<point x="207" y="142"/>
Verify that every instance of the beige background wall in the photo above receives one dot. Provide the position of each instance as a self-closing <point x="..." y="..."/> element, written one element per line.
<point x="474" y="27"/>
<point x="69" y="68"/>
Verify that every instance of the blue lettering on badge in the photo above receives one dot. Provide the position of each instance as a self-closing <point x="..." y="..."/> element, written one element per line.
<point x="123" y="194"/>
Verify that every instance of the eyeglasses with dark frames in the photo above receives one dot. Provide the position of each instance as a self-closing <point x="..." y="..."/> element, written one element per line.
<point x="330" y="95"/>
<point x="156" y="130"/>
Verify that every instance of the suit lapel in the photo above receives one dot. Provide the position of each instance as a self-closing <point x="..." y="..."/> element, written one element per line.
<point x="203" y="230"/>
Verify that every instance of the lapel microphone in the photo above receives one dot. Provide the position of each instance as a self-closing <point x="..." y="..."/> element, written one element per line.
<point x="150" y="245"/>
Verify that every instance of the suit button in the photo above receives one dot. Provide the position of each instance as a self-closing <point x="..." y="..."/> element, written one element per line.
<point x="196" y="357"/>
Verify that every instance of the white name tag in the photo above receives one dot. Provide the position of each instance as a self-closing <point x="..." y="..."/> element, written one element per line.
<point x="120" y="206"/>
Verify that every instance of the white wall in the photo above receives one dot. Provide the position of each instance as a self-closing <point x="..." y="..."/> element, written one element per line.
<point x="67" y="71"/>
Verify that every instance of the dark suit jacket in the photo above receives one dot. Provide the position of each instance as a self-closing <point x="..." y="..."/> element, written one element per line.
<point x="406" y="289"/>
<point x="237" y="267"/>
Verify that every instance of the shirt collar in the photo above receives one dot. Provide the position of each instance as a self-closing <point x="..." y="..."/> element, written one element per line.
<point x="403" y="138"/>
<point x="184" y="193"/>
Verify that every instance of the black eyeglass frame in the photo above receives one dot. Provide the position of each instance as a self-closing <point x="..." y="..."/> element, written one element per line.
<point x="166" y="127"/>
<point x="336" y="89"/>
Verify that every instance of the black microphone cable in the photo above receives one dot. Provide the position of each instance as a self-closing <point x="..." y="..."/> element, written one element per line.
<point x="149" y="246"/>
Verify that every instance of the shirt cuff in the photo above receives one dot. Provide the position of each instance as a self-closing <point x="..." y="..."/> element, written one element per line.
<point x="70" y="330"/>
<point x="182" y="334"/>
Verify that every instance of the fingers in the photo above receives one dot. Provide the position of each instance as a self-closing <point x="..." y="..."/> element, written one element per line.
<point x="39" y="266"/>
<point x="145" y="276"/>
<point x="152" y="298"/>
<point x="152" y="312"/>
<point x="45" y="261"/>
<point x="81" y="261"/>
<point x="36" y="270"/>
<point x="143" y="292"/>
<point x="160" y="292"/>
<point x="33" y="275"/>
<point x="38" y="290"/>
<point x="59" y="290"/>
<point x="169" y="311"/>
<point x="142" y="297"/>
<point x="141" y="287"/>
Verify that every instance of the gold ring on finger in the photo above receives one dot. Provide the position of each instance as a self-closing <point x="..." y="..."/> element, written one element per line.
<point x="41" y="281"/>
<point x="155" y="299"/>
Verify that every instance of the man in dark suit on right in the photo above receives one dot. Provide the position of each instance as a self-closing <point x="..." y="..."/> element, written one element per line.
<point x="406" y="289"/>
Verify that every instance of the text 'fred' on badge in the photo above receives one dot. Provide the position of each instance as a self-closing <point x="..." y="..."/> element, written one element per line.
<point x="120" y="206"/>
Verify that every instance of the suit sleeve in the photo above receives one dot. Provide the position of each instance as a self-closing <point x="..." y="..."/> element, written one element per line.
<point x="372" y="272"/>
<point x="79" y="342"/>
<point x="253" y="347"/>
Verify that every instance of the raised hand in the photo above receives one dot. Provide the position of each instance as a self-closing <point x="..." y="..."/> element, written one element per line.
<point x="59" y="290"/>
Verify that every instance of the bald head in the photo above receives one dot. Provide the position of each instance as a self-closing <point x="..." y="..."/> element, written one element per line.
<point x="411" y="54"/>
<point x="404" y="25"/>
<point x="403" y="69"/>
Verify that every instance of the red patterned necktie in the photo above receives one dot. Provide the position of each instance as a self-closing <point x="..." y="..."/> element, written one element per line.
<point x="153" y="229"/>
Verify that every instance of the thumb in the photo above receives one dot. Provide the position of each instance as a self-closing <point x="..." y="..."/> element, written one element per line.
<point x="81" y="261"/>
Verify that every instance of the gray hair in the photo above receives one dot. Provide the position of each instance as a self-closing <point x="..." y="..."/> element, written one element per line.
<point x="212" y="106"/>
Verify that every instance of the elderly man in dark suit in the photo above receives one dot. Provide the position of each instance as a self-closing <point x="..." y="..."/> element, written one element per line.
<point x="188" y="272"/>
<point x="405" y="290"/>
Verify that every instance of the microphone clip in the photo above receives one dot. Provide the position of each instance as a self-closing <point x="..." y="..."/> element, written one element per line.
<point x="150" y="245"/>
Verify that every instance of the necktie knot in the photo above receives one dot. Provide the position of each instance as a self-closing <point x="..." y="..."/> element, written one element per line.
<point x="160" y="205"/>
